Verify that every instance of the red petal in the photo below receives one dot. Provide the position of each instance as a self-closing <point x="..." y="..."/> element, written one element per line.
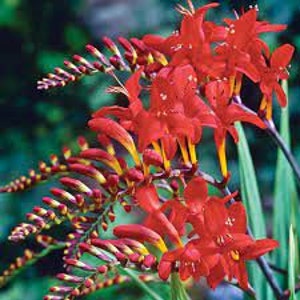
<point x="215" y="216"/>
<point x="280" y="94"/>
<point x="242" y="276"/>
<point x="282" y="56"/>
<point x="115" y="131"/>
<point x="170" y="146"/>
<point x="236" y="113"/>
<point x="259" y="248"/>
<point x="195" y="194"/>
<point x="147" y="198"/>
<point x="115" y="110"/>
<point x="237" y="213"/>
<point x="133" y="85"/>
<point x="164" y="269"/>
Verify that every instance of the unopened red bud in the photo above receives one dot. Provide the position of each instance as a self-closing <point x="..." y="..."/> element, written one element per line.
<point x="97" y="65"/>
<point x="103" y="139"/>
<point x="125" y="43"/>
<point x="69" y="278"/>
<point x="39" y="211"/>
<point x="84" y="63"/>
<point x="130" y="57"/>
<point x="135" y="175"/>
<point x="127" y="207"/>
<point x="62" y="194"/>
<point x="151" y="157"/>
<point x="149" y="260"/>
<point x="79" y="200"/>
<point x="140" y="233"/>
<point x="94" y="251"/>
<point x="96" y="53"/>
<point x="53" y="297"/>
<point x="61" y="289"/>
<point x="76" y="185"/>
<point x="113" y="180"/>
<point x="76" y="292"/>
<point x="63" y="209"/>
<point x="102" y="269"/>
<point x="138" y="44"/>
<point x="72" y="67"/>
<point x="89" y="282"/>
<point x="88" y="171"/>
<point x="104" y="225"/>
<point x="111" y="216"/>
<point x="111" y="45"/>
<point x="35" y="219"/>
<point x="174" y="185"/>
<point x="135" y="257"/>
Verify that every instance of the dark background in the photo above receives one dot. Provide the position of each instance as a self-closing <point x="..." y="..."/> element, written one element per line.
<point x="37" y="36"/>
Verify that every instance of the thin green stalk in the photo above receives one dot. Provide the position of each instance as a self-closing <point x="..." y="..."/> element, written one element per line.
<point x="36" y="257"/>
<point x="142" y="284"/>
<point x="272" y="131"/>
<point x="178" y="291"/>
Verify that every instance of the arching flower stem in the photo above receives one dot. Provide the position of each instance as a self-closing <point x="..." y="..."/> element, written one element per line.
<point x="276" y="137"/>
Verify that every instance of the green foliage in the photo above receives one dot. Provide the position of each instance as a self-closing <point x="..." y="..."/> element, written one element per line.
<point x="252" y="200"/>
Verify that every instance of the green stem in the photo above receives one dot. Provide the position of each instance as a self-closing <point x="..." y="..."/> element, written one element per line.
<point x="142" y="284"/>
<point x="36" y="257"/>
<point x="178" y="291"/>
<point x="272" y="131"/>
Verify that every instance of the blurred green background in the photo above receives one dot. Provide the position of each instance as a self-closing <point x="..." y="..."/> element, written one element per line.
<point x="37" y="36"/>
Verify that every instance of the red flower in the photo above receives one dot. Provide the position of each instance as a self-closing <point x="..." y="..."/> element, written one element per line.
<point x="219" y="95"/>
<point x="147" y="199"/>
<point x="192" y="43"/>
<point x="190" y="259"/>
<point x="243" y="249"/>
<point x="175" y="109"/>
<point x="270" y="75"/>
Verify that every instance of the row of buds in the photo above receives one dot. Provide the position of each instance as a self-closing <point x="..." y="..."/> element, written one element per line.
<point x="85" y="229"/>
<point x="116" y="280"/>
<point x="125" y="251"/>
<point x="89" y="286"/>
<point x="19" y="263"/>
<point x="45" y="170"/>
<point x="136" y="54"/>
<point x="65" y="206"/>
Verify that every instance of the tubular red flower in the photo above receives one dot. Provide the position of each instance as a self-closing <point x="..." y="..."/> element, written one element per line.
<point x="142" y="234"/>
<point x="117" y="132"/>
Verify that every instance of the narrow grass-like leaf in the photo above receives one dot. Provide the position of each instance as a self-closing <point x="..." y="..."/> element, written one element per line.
<point x="178" y="291"/>
<point x="142" y="285"/>
<point x="250" y="191"/>
<point x="292" y="264"/>
<point x="251" y="198"/>
<point x="285" y="208"/>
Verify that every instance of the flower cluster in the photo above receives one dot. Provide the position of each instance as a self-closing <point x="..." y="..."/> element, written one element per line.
<point x="216" y="244"/>
<point x="193" y="79"/>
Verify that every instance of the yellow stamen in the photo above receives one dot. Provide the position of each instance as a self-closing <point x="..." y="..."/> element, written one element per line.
<point x="161" y="246"/>
<point x="238" y="85"/>
<point x="269" y="111"/>
<point x="150" y="59"/>
<point x="111" y="150"/>
<point x="266" y="106"/>
<point x="167" y="163"/>
<point x="146" y="169"/>
<point x="156" y="147"/>
<point x="235" y="255"/>
<point x="231" y="84"/>
<point x="162" y="59"/>
<point x="192" y="150"/>
<point x="184" y="151"/>
<point x="222" y="158"/>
